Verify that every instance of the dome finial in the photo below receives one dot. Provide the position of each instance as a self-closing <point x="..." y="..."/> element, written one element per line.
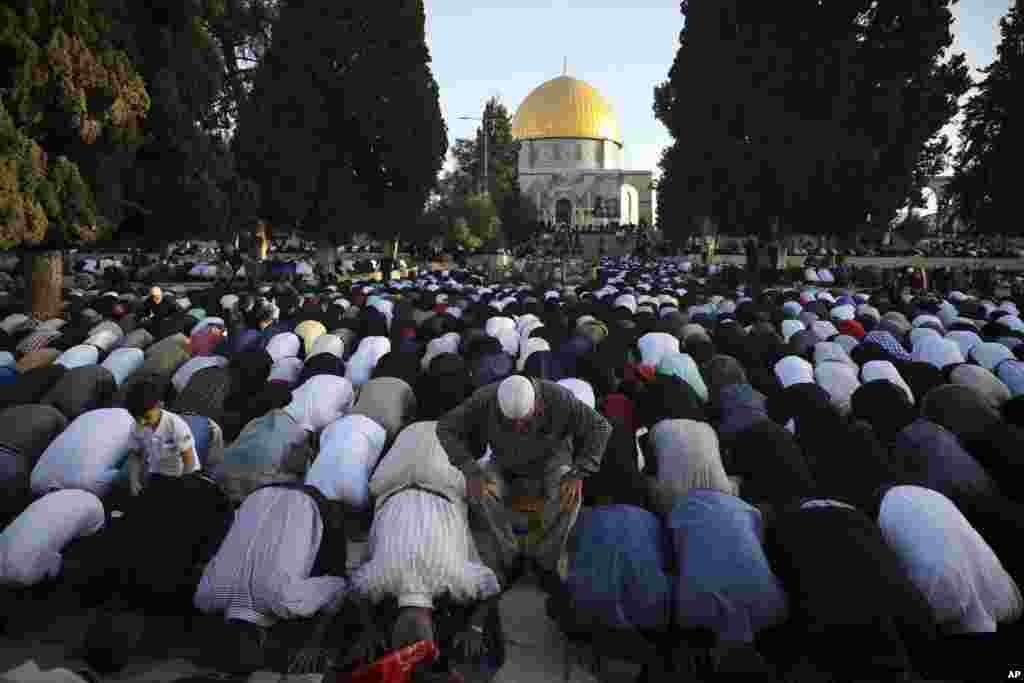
<point x="565" y="66"/>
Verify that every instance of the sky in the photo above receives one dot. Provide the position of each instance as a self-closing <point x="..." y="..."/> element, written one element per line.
<point x="506" y="48"/>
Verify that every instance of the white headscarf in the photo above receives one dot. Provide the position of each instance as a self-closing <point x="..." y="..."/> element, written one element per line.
<point x="329" y="343"/>
<point x="627" y="300"/>
<point x="581" y="390"/>
<point x="286" y="370"/>
<point x="843" y="312"/>
<point x="320" y="400"/>
<point x="937" y="351"/>
<point x="919" y="333"/>
<point x="447" y="343"/>
<point x="284" y="345"/>
<point x="688" y="458"/>
<point x="791" y="327"/>
<point x="79" y="356"/>
<point x="498" y="324"/>
<point x="990" y="354"/>
<point x="532" y="346"/>
<point x="957" y="572"/>
<point x="965" y="340"/>
<point x="123" y="362"/>
<point x="840" y="381"/>
<point x="883" y="369"/>
<point x="654" y="345"/>
<point x="365" y="359"/>
<point x="825" y="352"/>
<point x="509" y="342"/>
<point x="350" y="448"/>
<point x="794" y="370"/>
<point x="824" y="329"/>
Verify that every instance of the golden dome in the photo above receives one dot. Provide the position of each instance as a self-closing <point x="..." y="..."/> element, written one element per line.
<point x="565" y="107"/>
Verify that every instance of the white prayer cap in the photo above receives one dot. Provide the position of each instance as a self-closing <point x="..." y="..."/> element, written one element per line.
<point x="516" y="397"/>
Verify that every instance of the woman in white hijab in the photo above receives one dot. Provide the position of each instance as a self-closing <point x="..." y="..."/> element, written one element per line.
<point x="286" y="371"/>
<point x="794" y="370"/>
<point x="840" y="381"/>
<point x="349" y="450"/>
<point x="581" y="390"/>
<point x="791" y="327"/>
<point x="498" y="324"/>
<point x="654" y="345"/>
<point x="883" y="369"/>
<point x="329" y="343"/>
<point x="686" y="456"/>
<point x="826" y="352"/>
<point x="365" y="359"/>
<point x="533" y="345"/>
<point x="956" y="571"/>
<point x="824" y="329"/>
<point x="509" y="342"/>
<point x="281" y="445"/>
<point x="937" y="351"/>
<point x="448" y="343"/>
<point x="919" y="334"/>
<point x="284" y="345"/>
<point x="986" y="354"/>
<point x="965" y="340"/>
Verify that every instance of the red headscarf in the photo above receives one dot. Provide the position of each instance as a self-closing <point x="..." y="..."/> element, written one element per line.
<point x="851" y="328"/>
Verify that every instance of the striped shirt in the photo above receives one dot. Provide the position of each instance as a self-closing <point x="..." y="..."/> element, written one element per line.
<point x="420" y="548"/>
<point x="261" y="573"/>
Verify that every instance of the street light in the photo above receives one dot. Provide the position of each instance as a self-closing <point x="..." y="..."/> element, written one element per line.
<point x="484" y="189"/>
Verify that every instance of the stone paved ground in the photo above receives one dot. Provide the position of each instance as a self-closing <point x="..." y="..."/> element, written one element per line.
<point x="49" y="632"/>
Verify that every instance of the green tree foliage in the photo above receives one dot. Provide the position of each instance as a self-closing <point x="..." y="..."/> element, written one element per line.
<point x="827" y="109"/>
<point x="343" y="129"/>
<point x="459" y="188"/>
<point x="985" y="184"/>
<point x="65" y="86"/>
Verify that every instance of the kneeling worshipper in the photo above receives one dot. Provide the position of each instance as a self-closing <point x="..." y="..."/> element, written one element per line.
<point x="619" y="577"/>
<point x="725" y="584"/>
<point x="280" y="446"/>
<point x="542" y="439"/>
<point x="350" y="449"/>
<point x="31" y="545"/>
<point x="284" y="558"/>
<point x="88" y="455"/>
<point x="854" y="609"/>
<point x="25" y="432"/>
<point x="422" y="551"/>
<point x="388" y="401"/>
<point x="681" y="455"/>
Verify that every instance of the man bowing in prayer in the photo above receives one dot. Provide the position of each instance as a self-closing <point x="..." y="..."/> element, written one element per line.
<point x="544" y="443"/>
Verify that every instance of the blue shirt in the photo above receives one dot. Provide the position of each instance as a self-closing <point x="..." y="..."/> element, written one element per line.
<point x="617" y="577"/>
<point x="725" y="583"/>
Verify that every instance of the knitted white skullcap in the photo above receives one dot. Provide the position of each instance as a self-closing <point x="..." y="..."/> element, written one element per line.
<point x="516" y="397"/>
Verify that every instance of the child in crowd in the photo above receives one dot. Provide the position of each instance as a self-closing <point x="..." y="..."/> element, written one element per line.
<point x="166" y="446"/>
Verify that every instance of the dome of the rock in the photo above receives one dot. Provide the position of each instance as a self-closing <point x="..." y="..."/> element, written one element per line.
<point x="566" y="107"/>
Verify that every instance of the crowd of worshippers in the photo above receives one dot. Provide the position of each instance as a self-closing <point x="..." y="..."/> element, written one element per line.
<point x="815" y="480"/>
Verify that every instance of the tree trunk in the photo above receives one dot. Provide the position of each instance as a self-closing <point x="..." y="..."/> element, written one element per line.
<point x="44" y="280"/>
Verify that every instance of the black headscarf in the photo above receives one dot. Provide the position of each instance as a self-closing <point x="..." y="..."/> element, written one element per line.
<point x="668" y="398"/>
<point x="884" y="406"/>
<point x="404" y="366"/>
<point x="445" y="385"/>
<point x="321" y="364"/>
<point x="771" y="464"/>
<point x="960" y="409"/>
<point x="920" y="377"/>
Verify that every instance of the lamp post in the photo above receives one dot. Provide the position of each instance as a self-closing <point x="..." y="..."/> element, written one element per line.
<point x="485" y="189"/>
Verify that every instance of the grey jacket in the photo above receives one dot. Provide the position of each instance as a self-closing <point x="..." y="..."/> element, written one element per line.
<point x="563" y="432"/>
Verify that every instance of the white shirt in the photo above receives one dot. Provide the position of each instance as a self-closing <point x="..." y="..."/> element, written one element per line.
<point x="88" y="454"/>
<point x="162" y="447"/>
<point x="30" y="546"/>
<point x="420" y="547"/>
<point x="261" y="572"/>
<point x="966" y="586"/>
